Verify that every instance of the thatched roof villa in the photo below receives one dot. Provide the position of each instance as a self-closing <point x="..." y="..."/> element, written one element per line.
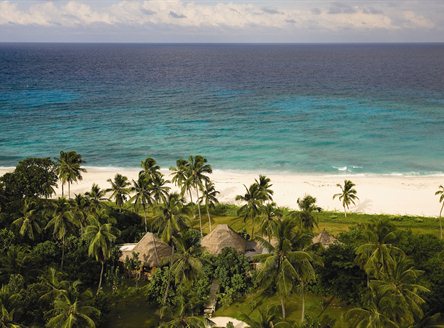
<point x="222" y="237"/>
<point x="325" y="239"/>
<point x="150" y="248"/>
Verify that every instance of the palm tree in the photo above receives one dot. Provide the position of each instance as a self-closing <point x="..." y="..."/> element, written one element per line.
<point x="81" y="206"/>
<point x="181" y="319"/>
<point x="119" y="189"/>
<point x="269" y="218"/>
<point x="73" y="310"/>
<point x="7" y="318"/>
<point x="283" y="266"/>
<point x="347" y="195"/>
<point x="308" y="205"/>
<point x="440" y="193"/>
<point x="400" y="285"/>
<point x="62" y="222"/>
<point x="159" y="190"/>
<point x="69" y="169"/>
<point x="209" y="198"/>
<point x="375" y="255"/>
<point x="96" y="196"/>
<point x="180" y="177"/>
<point x="142" y="196"/>
<point x="171" y="221"/>
<point x="198" y="171"/>
<point x="150" y="169"/>
<point x="267" y="317"/>
<point x="186" y="265"/>
<point x="101" y="238"/>
<point x="55" y="285"/>
<point x="28" y="223"/>
<point x="395" y="299"/>
<point x="172" y="218"/>
<point x="252" y="209"/>
<point x="264" y="187"/>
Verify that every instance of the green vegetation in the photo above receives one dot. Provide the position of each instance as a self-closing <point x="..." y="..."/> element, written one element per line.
<point x="383" y="270"/>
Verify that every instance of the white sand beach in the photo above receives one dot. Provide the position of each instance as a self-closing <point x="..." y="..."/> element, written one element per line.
<point x="389" y="194"/>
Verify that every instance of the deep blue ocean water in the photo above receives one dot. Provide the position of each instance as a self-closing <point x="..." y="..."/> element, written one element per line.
<point x="301" y="108"/>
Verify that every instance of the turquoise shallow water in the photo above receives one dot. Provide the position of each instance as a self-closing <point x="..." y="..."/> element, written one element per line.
<point x="297" y="108"/>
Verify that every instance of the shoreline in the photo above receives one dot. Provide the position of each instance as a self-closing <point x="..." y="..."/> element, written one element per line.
<point x="379" y="194"/>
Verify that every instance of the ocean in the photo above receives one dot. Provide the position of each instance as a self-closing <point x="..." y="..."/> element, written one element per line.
<point x="327" y="108"/>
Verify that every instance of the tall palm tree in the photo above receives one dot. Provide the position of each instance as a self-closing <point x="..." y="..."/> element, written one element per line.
<point x="180" y="177"/>
<point x="283" y="266"/>
<point x="375" y="255"/>
<point x="198" y="171"/>
<point x="29" y="220"/>
<point x="69" y="169"/>
<point x="101" y="238"/>
<point x="209" y="198"/>
<point x="62" y="222"/>
<point x="307" y="206"/>
<point x="252" y="207"/>
<point x="119" y="189"/>
<point x="347" y="195"/>
<point x="440" y="193"/>
<point x="72" y="309"/>
<point x="169" y="223"/>
<point x="142" y="196"/>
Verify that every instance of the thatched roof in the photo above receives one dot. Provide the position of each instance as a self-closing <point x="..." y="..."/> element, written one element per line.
<point x="221" y="237"/>
<point x="325" y="239"/>
<point x="151" y="250"/>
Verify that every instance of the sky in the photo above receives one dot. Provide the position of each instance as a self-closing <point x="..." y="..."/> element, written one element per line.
<point x="280" y="21"/>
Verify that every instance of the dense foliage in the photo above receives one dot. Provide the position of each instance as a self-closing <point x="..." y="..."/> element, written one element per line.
<point x="59" y="257"/>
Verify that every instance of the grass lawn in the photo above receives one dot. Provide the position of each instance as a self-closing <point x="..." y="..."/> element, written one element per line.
<point x="334" y="222"/>
<point x="131" y="312"/>
<point x="314" y="307"/>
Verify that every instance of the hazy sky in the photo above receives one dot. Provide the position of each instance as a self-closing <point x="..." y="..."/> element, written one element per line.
<point x="222" y="21"/>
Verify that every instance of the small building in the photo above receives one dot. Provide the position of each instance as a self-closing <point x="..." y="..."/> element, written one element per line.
<point x="325" y="239"/>
<point x="151" y="250"/>
<point x="222" y="237"/>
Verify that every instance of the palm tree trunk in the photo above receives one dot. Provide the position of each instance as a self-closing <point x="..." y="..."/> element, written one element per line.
<point x="69" y="189"/>
<point x="63" y="253"/>
<point x="440" y="222"/>
<point x="283" y="308"/>
<point x="63" y="193"/>
<point x="100" y="280"/>
<point x="144" y="211"/>
<point x="209" y="218"/>
<point x="252" y="227"/>
<point x="345" y="211"/>
<point x="168" y="282"/>
<point x="303" y="304"/>
<point x="191" y="196"/>
<point x="198" y="208"/>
